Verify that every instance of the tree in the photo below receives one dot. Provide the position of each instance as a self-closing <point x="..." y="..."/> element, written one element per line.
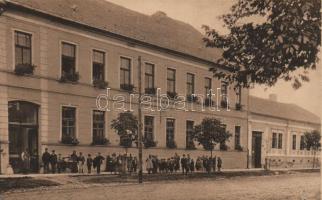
<point x="284" y="45"/>
<point x="211" y="132"/>
<point x="312" y="142"/>
<point x="126" y="126"/>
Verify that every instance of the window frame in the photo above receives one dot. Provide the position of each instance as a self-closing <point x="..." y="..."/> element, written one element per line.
<point x="92" y="124"/>
<point x="61" y="55"/>
<point x="224" y="91"/>
<point x="173" y="80"/>
<point x="14" y="31"/>
<point x="149" y="75"/>
<point x="190" y="84"/>
<point x="294" y="144"/>
<point x="237" y="136"/>
<point x="104" y="64"/>
<point x="173" y="128"/>
<point x="122" y="69"/>
<point x="153" y="126"/>
<point x="61" y="120"/>
<point x="206" y="87"/>
<point x="188" y="131"/>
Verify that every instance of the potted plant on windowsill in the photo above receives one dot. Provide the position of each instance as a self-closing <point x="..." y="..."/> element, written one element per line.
<point x="238" y="147"/>
<point x="223" y="147"/>
<point x="127" y="87"/>
<point x="171" y="144"/>
<point x="24" y="69"/>
<point x="192" y="98"/>
<point x="209" y="102"/>
<point x="69" y="77"/>
<point x="100" y="141"/>
<point x="238" y="106"/>
<point x="151" y="91"/>
<point x="71" y="140"/>
<point x="101" y="84"/>
<point x="172" y="95"/>
<point x="149" y="143"/>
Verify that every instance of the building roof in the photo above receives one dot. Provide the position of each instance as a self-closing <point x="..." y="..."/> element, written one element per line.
<point x="157" y="29"/>
<point x="281" y="110"/>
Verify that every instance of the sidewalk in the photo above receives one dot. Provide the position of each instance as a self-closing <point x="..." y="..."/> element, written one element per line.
<point x="108" y="173"/>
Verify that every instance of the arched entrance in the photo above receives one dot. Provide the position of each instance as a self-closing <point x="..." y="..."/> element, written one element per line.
<point x="23" y="135"/>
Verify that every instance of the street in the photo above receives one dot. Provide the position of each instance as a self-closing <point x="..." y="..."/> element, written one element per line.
<point x="286" y="186"/>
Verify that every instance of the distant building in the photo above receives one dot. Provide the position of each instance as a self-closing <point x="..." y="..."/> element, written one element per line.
<point x="276" y="134"/>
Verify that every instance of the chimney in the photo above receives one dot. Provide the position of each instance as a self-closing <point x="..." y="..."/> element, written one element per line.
<point x="272" y="97"/>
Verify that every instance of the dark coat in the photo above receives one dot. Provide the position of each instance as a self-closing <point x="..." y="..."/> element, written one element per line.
<point x="46" y="157"/>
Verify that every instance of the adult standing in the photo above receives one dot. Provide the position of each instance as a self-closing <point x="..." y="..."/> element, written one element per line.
<point x="219" y="164"/>
<point x="89" y="163"/>
<point x="53" y="161"/>
<point x="98" y="160"/>
<point x="74" y="159"/>
<point x="45" y="159"/>
<point x="25" y="158"/>
<point x="80" y="162"/>
<point x="184" y="164"/>
<point x="149" y="164"/>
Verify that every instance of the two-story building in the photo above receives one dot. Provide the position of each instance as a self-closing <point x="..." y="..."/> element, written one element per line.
<point x="57" y="57"/>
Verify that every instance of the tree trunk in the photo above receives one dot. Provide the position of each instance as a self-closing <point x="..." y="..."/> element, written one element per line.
<point x="313" y="159"/>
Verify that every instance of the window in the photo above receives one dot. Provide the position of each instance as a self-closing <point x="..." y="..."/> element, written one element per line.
<point x="302" y="143"/>
<point x="149" y="76"/>
<point x="274" y="140"/>
<point x="294" y="142"/>
<point x="148" y="128"/>
<point x="98" y="125"/>
<point x="68" y="59"/>
<point x="68" y="122"/>
<point x="22" y="48"/>
<point x="190" y="84"/>
<point x="171" y="80"/>
<point x="237" y="136"/>
<point x="170" y="126"/>
<point x="238" y="95"/>
<point x="280" y="140"/>
<point x="224" y="91"/>
<point x="98" y="72"/>
<point x="207" y="87"/>
<point x="125" y="76"/>
<point x="189" y="135"/>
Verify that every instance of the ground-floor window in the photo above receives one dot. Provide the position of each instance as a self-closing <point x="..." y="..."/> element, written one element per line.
<point x="237" y="137"/>
<point x="68" y="123"/>
<point x="302" y="143"/>
<point x="148" y="128"/>
<point x="189" y="135"/>
<point x="98" y="126"/>
<point x="294" y="142"/>
<point x="170" y="128"/>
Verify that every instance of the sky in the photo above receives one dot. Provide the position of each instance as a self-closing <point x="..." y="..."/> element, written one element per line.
<point x="207" y="12"/>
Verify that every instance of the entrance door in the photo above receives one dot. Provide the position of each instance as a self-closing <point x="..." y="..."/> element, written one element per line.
<point x="23" y="136"/>
<point x="257" y="149"/>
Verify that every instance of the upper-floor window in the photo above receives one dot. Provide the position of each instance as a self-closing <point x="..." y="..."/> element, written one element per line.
<point x="125" y="76"/>
<point x="207" y="87"/>
<point x="98" y="126"/>
<point x="68" y="123"/>
<point x="274" y="140"/>
<point x="22" y="48"/>
<point x="171" y="80"/>
<point x="280" y="140"/>
<point x="190" y="84"/>
<point x="68" y="59"/>
<point x="302" y="143"/>
<point x="294" y="142"/>
<point x="224" y="91"/>
<point x="149" y="77"/>
<point x="98" y="68"/>
<point x="238" y="95"/>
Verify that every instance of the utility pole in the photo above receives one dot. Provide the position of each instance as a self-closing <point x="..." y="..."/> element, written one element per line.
<point x="140" y="120"/>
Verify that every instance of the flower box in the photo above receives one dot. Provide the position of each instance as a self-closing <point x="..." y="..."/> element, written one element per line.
<point x="172" y="95"/>
<point x="192" y="98"/>
<point x="149" y="143"/>
<point x="151" y="91"/>
<point x="171" y="144"/>
<point x="209" y="102"/>
<point x="69" y="77"/>
<point x="100" y="141"/>
<point x="127" y="87"/>
<point x="238" y="106"/>
<point x="101" y="84"/>
<point x="70" y="140"/>
<point x="24" y="69"/>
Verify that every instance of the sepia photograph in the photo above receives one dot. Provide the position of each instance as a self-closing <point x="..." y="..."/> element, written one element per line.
<point x="160" y="99"/>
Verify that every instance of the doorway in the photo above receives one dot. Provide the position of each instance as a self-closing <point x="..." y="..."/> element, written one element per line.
<point x="257" y="149"/>
<point x="23" y="136"/>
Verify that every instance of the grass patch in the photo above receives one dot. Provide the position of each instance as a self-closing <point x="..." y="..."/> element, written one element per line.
<point x="7" y="184"/>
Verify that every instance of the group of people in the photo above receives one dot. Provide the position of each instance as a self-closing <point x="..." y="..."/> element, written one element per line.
<point x="122" y="163"/>
<point x="54" y="163"/>
<point x="185" y="163"/>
